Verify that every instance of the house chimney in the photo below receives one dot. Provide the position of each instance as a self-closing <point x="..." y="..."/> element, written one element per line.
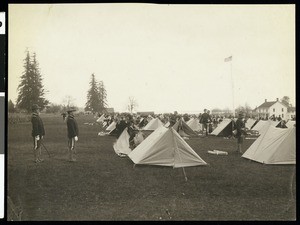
<point x="265" y="100"/>
<point x="277" y="99"/>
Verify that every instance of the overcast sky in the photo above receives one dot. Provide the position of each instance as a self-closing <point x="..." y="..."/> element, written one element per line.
<point x="168" y="57"/>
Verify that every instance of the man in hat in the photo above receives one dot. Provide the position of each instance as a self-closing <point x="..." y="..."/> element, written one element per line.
<point x="38" y="132"/>
<point x="72" y="133"/>
<point x="240" y="131"/>
<point x="204" y="120"/>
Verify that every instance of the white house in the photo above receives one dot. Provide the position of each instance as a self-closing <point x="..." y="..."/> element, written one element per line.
<point x="291" y="113"/>
<point x="276" y="108"/>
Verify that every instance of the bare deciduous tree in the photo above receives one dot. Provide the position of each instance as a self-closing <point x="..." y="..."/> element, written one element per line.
<point x="132" y="104"/>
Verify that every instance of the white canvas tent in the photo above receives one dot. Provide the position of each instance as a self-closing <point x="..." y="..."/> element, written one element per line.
<point x="224" y="128"/>
<point x="261" y="124"/>
<point x="290" y="123"/>
<point x="274" y="146"/>
<point x="100" y="119"/>
<point x="183" y="129"/>
<point x="111" y="126"/>
<point x="250" y="122"/>
<point x="121" y="146"/>
<point x="275" y="123"/>
<point x="194" y="124"/>
<point x="153" y="124"/>
<point x="165" y="147"/>
<point x="141" y="120"/>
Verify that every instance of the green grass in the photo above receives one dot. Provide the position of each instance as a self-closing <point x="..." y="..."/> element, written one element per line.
<point x="103" y="186"/>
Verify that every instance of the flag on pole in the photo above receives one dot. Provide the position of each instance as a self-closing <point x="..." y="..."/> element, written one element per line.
<point x="228" y="59"/>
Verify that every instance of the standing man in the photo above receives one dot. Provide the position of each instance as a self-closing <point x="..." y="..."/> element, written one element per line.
<point x="204" y="120"/>
<point x="72" y="133"/>
<point x="38" y="132"/>
<point x="240" y="131"/>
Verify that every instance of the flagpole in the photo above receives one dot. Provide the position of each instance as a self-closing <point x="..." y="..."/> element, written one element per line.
<point x="232" y="83"/>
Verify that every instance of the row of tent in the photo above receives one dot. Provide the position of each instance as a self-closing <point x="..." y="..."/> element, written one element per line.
<point x="224" y="129"/>
<point x="180" y="126"/>
<point x="166" y="147"/>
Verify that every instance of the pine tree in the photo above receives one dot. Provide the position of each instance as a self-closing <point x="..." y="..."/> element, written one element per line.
<point x="102" y="97"/>
<point x="31" y="89"/>
<point x="93" y="102"/>
<point x="40" y="91"/>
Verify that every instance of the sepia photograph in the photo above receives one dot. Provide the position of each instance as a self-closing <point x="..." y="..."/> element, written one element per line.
<point x="151" y="112"/>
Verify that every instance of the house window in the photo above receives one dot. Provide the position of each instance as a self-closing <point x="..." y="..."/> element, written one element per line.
<point x="282" y="109"/>
<point x="273" y="110"/>
<point x="282" y="115"/>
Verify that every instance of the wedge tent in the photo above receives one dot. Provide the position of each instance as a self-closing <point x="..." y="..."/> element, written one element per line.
<point x="261" y="125"/>
<point x="275" y="123"/>
<point x="167" y="124"/>
<point x="194" y="124"/>
<point x="111" y="126"/>
<point x="183" y="129"/>
<point x="275" y="146"/>
<point x="121" y="146"/>
<point x="290" y="123"/>
<point x="224" y="129"/>
<point x="100" y="119"/>
<point x="165" y="147"/>
<point x="153" y="124"/>
<point x="250" y="123"/>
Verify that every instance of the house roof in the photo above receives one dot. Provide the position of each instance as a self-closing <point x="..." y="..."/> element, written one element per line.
<point x="269" y="104"/>
<point x="266" y="104"/>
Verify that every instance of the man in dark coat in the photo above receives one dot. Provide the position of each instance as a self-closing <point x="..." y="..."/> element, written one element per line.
<point x="204" y="120"/>
<point x="38" y="132"/>
<point x="73" y="133"/>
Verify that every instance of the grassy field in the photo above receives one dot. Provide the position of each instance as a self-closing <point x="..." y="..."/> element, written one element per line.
<point x="103" y="186"/>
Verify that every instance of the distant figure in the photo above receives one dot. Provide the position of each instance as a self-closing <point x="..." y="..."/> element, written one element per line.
<point x="274" y="117"/>
<point x="132" y="131"/>
<point x="173" y="119"/>
<point x="121" y="126"/>
<point x="204" y="120"/>
<point x="38" y="132"/>
<point x="64" y="115"/>
<point x="240" y="131"/>
<point x="73" y="133"/>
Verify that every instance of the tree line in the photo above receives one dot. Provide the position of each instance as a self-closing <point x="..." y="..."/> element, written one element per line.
<point x="31" y="91"/>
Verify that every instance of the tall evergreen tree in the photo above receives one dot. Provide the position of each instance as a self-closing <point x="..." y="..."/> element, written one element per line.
<point x="31" y="89"/>
<point x="40" y="91"/>
<point x="93" y="101"/>
<point x="102" y="96"/>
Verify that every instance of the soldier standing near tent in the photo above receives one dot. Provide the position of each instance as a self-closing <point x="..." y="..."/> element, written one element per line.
<point x="72" y="133"/>
<point x="38" y="132"/>
<point x="240" y="132"/>
<point x="204" y="120"/>
<point x="173" y="118"/>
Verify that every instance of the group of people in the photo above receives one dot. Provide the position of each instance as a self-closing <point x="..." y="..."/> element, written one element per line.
<point x="38" y="133"/>
<point x="239" y="131"/>
<point x="125" y="121"/>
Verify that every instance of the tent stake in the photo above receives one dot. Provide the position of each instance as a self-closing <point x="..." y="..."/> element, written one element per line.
<point x="184" y="174"/>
